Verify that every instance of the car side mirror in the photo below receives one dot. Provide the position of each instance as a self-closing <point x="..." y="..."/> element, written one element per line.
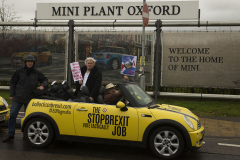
<point x="124" y="109"/>
<point x="122" y="106"/>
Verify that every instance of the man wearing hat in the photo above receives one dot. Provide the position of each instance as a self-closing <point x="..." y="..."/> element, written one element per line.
<point x="110" y="96"/>
<point x="22" y="83"/>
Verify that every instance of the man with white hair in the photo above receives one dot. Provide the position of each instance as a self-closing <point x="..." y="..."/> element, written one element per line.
<point x="92" y="78"/>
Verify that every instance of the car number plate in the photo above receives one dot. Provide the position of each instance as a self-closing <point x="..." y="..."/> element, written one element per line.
<point x="2" y="118"/>
<point x="17" y="60"/>
<point x="98" y="55"/>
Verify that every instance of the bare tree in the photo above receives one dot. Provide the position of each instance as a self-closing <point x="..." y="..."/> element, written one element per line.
<point x="7" y="14"/>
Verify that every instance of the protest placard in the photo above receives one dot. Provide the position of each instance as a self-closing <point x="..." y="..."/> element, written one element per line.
<point x="128" y="65"/>
<point x="76" y="72"/>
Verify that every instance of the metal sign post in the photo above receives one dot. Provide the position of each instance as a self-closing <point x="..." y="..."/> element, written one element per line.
<point x="145" y="14"/>
<point x="70" y="53"/>
<point x="158" y="52"/>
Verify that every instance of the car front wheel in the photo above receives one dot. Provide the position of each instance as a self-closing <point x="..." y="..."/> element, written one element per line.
<point x="39" y="133"/>
<point x="166" y="143"/>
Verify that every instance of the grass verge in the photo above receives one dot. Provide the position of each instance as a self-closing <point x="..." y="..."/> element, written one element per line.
<point x="206" y="107"/>
<point x="5" y="95"/>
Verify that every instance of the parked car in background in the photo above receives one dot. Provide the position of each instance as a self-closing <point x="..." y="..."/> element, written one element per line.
<point x="4" y="111"/>
<point x="110" y="57"/>
<point x="41" y="54"/>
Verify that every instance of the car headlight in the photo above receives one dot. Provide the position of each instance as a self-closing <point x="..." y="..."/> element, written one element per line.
<point x="5" y="102"/>
<point x="188" y="121"/>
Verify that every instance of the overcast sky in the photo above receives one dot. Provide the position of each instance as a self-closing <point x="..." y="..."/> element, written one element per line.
<point x="211" y="10"/>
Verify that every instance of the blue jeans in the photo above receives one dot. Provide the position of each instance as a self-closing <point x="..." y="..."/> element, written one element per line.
<point x="16" y="106"/>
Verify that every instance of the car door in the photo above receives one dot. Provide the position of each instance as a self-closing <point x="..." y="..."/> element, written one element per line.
<point x="106" y="121"/>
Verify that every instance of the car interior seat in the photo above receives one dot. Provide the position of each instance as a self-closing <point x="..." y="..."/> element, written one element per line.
<point x="65" y="95"/>
<point x="100" y="98"/>
<point x="85" y="95"/>
<point x="54" y="90"/>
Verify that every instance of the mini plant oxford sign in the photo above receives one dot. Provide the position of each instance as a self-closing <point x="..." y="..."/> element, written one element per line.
<point x="165" y="10"/>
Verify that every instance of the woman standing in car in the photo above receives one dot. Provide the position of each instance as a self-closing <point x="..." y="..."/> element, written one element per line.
<point x="92" y="78"/>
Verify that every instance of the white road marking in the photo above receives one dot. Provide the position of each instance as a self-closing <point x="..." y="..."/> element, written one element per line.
<point x="203" y="142"/>
<point x="231" y="145"/>
<point x="20" y="115"/>
<point x="16" y="130"/>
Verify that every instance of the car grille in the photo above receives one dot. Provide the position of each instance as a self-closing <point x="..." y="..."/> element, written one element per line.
<point x="199" y="125"/>
<point x="3" y="113"/>
<point x="3" y="107"/>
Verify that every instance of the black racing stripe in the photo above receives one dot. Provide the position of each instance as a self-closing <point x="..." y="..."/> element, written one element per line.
<point x="179" y="113"/>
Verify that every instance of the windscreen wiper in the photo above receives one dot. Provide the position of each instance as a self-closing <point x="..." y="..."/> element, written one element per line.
<point x="154" y="105"/>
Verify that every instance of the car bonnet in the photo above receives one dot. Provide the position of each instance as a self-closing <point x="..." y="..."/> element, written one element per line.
<point x="176" y="109"/>
<point x="23" y="54"/>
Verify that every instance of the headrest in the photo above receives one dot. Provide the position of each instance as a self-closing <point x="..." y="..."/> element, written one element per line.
<point x="85" y="90"/>
<point x="54" y="88"/>
<point x="65" y="87"/>
<point x="101" y="90"/>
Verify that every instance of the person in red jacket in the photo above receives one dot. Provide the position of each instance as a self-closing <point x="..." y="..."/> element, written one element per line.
<point x="111" y="96"/>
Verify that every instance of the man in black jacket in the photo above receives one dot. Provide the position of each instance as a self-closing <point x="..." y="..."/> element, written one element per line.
<point x="92" y="78"/>
<point x="22" y="83"/>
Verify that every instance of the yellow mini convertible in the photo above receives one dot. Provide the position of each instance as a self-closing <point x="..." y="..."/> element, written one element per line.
<point x="139" y="121"/>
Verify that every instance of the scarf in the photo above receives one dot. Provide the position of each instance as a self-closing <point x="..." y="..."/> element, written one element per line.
<point x="29" y="70"/>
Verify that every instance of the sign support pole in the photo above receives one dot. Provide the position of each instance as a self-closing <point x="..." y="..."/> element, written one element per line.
<point x="157" y="66"/>
<point x="142" y="77"/>
<point x="70" y="53"/>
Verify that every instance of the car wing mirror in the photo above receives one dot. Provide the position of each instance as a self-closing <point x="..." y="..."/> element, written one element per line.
<point x="122" y="106"/>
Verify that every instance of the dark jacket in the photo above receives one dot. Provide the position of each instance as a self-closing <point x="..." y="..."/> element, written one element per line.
<point x="22" y="85"/>
<point x="113" y="98"/>
<point x="93" y="83"/>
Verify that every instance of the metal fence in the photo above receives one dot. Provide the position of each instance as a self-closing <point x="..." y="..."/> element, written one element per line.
<point x="85" y="45"/>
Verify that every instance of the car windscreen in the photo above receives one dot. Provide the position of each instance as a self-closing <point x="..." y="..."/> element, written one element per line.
<point x="107" y="49"/>
<point x="137" y="94"/>
<point x="27" y="49"/>
<point x="103" y="49"/>
<point x="34" y="49"/>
